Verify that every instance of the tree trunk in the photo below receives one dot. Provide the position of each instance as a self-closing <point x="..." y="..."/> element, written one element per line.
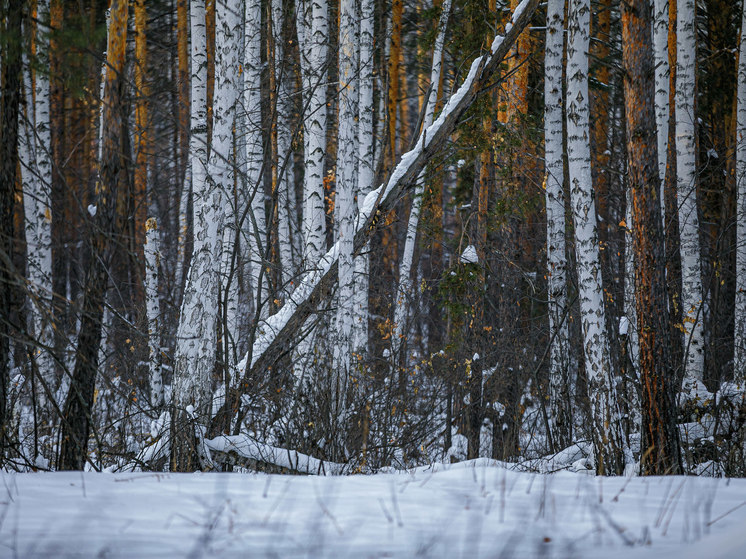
<point x="152" y="263"/>
<point x="559" y="382"/>
<point x="107" y="223"/>
<point x="197" y="335"/>
<point x="365" y="170"/>
<point x="739" y="359"/>
<point x="11" y="14"/>
<point x="345" y="208"/>
<point x="686" y="166"/>
<point x="609" y="456"/>
<point x="659" y="447"/>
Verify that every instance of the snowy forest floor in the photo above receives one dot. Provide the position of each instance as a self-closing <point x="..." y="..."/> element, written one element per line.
<point x="471" y="509"/>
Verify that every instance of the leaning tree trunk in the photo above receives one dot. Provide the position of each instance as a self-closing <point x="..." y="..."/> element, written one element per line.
<point x="106" y="223"/>
<point x="659" y="446"/>
<point x="739" y="358"/>
<point x="197" y="336"/>
<point x="279" y="329"/>
<point x="559" y="382"/>
<point x="686" y="189"/>
<point x="609" y="455"/>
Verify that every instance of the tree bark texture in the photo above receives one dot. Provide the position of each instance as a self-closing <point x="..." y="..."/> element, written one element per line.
<point x="660" y="447"/>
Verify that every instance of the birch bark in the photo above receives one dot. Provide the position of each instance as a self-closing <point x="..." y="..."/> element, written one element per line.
<point x="686" y="190"/>
<point x="346" y="189"/>
<point x="285" y="173"/>
<point x="662" y="89"/>
<point x="555" y="207"/>
<point x="739" y="359"/>
<point x="257" y="225"/>
<point x="36" y="173"/>
<point x="196" y="336"/>
<point x="152" y="262"/>
<point x="365" y="166"/>
<point x="313" y="30"/>
<point x="595" y="338"/>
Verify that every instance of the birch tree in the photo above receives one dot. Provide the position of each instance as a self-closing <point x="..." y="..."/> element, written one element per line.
<point x="36" y="173"/>
<point x="196" y="336"/>
<point x="257" y="223"/>
<point x="152" y="306"/>
<point x="662" y="90"/>
<point x="313" y="31"/>
<point x="686" y="191"/>
<point x="404" y="291"/>
<point x="739" y="358"/>
<point x="365" y="169"/>
<point x="346" y="189"/>
<point x="555" y="208"/>
<point x="284" y="173"/>
<point x="595" y="338"/>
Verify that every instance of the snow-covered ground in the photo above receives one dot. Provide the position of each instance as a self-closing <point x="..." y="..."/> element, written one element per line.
<point x="472" y="509"/>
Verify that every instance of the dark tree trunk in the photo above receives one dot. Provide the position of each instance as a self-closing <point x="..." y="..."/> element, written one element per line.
<point x="10" y="51"/>
<point x="660" y="446"/>
<point x="76" y="419"/>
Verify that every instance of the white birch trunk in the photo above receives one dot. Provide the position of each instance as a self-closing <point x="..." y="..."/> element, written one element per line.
<point x="313" y="30"/>
<point x="662" y="72"/>
<point x="595" y="337"/>
<point x="365" y="169"/>
<point x="686" y="189"/>
<point x="555" y="207"/>
<point x="256" y="226"/>
<point x="152" y="307"/>
<point x="739" y="359"/>
<point x="345" y="208"/>
<point x="36" y="173"/>
<point x="196" y="336"/>
<point x="285" y="173"/>
<point x="405" y="268"/>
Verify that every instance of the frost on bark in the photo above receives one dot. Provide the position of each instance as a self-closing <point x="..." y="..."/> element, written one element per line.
<point x="152" y="262"/>
<point x="196" y="335"/>
<point x="559" y="380"/>
<point x="659" y="448"/>
<point x="601" y="393"/>
<point x="739" y="359"/>
<point x="365" y="166"/>
<point x="404" y="291"/>
<point x="313" y="31"/>
<point x="686" y="191"/>
<point x="344" y="206"/>
<point x="256" y="224"/>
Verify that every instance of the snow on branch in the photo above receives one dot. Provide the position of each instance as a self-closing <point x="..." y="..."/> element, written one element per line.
<point x="273" y="335"/>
